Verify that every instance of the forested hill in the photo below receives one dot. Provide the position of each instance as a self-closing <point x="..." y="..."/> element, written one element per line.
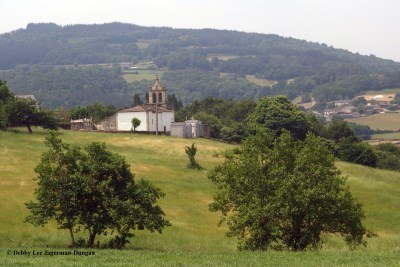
<point x="264" y="63"/>
<point x="117" y="42"/>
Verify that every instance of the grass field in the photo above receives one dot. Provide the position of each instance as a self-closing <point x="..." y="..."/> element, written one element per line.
<point x="382" y="92"/>
<point x="383" y="121"/>
<point x="223" y="57"/>
<point x="193" y="238"/>
<point x="141" y="75"/>
<point x="260" y="82"/>
<point x="387" y="136"/>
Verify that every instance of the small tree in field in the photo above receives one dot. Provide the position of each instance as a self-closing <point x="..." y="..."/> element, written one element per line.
<point x="59" y="186"/>
<point x="283" y="194"/>
<point x="191" y="153"/>
<point x="135" y="123"/>
<point x="93" y="189"/>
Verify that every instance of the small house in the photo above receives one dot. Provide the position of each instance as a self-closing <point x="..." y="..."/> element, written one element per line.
<point x="187" y="129"/>
<point x="82" y="124"/>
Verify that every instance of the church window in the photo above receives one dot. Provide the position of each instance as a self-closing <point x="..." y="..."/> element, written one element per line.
<point x="154" y="98"/>
<point x="159" y="97"/>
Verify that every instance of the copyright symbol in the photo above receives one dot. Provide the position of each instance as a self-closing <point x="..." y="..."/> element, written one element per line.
<point x="9" y="252"/>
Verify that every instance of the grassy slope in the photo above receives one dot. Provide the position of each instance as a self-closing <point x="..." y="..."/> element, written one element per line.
<point x="387" y="136"/>
<point x="194" y="234"/>
<point x="384" y="121"/>
<point x="260" y="82"/>
<point x="141" y="75"/>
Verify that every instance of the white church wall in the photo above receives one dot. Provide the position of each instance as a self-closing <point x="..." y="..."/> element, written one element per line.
<point x="125" y="121"/>
<point x="164" y="120"/>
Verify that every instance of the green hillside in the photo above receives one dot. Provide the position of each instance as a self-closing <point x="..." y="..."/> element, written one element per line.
<point x="194" y="237"/>
<point x="78" y="64"/>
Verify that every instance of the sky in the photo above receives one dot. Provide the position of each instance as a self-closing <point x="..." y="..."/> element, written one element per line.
<point x="361" y="26"/>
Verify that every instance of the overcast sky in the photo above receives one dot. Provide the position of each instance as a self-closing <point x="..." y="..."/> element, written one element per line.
<point x="364" y="26"/>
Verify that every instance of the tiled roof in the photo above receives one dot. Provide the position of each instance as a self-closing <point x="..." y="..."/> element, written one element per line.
<point x="144" y="108"/>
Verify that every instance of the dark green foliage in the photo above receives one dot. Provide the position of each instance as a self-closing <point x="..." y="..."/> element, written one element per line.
<point x="338" y="129"/>
<point x="225" y="118"/>
<point x="24" y="112"/>
<point x="362" y="131"/>
<point x="388" y="156"/>
<point x="59" y="186"/>
<point x="214" y="124"/>
<point x="96" y="111"/>
<point x="174" y="103"/>
<point x="348" y="146"/>
<point x="276" y="114"/>
<point x="5" y="96"/>
<point x="93" y="190"/>
<point x="135" y="123"/>
<point x="191" y="153"/>
<point x="353" y="150"/>
<point x="300" y="67"/>
<point x="396" y="99"/>
<point x="190" y="85"/>
<point x="136" y="100"/>
<point x="5" y="93"/>
<point x="70" y="86"/>
<point x="279" y="193"/>
<point x="359" y="102"/>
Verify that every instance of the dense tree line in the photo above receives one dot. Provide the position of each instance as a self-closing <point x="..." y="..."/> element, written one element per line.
<point x="115" y="42"/>
<point x="226" y="118"/>
<point x="96" y="112"/>
<point x="77" y="86"/>
<point x="331" y="73"/>
<point x="69" y="87"/>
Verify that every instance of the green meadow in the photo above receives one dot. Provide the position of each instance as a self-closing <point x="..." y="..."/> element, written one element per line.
<point x="138" y="75"/>
<point x="382" y="121"/>
<point x="194" y="237"/>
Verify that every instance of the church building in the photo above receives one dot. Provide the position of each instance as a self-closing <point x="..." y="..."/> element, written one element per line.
<point x="152" y="116"/>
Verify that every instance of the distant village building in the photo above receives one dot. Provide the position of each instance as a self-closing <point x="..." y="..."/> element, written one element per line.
<point x="341" y="103"/>
<point x="125" y="66"/>
<point x="154" y="116"/>
<point x="188" y="129"/>
<point x="82" y="124"/>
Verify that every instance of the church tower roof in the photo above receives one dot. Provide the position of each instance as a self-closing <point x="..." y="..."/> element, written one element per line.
<point x="157" y="86"/>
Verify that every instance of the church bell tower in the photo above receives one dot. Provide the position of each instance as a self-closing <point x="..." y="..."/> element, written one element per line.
<point x="158" y="93"/>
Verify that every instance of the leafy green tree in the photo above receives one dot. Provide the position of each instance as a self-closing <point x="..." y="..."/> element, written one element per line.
<point x="136" y="100"/>
<point x="59" y="186"/>
<point x="96" y="111"/>
<point x="135" y="123"/>
<point x="339" y="129"/>
<point x="113" y="200"/>
<point x="213" y="122"/>
<point x="93" y="190"/>
<point x="276" y="114"/>
<point x="174" y="103"/>
<point x="388" y="155"/>
<point x="353" y="150"/>
<point x="5" y="93"/>
<point x="5" y="96"/>
<point x="283" y="194"/>
<point x="191" y="153"/>
<point x="24" y="112"/>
